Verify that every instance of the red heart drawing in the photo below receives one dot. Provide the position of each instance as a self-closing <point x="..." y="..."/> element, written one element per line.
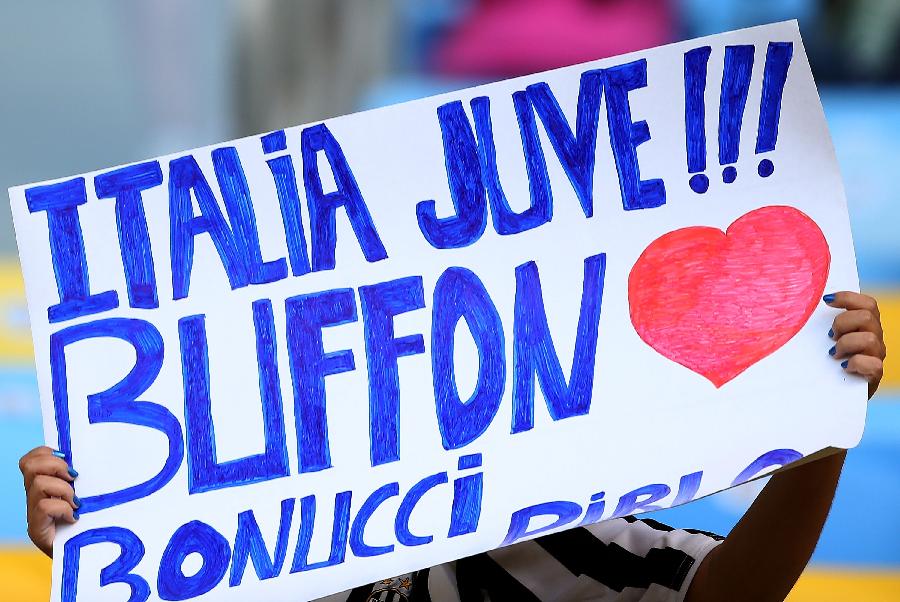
<point x="716" y="302"/>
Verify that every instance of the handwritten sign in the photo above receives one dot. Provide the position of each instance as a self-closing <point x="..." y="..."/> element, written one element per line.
<point x="298" y="362"/>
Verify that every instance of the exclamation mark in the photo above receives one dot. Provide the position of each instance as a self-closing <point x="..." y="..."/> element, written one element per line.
<point x="735" y="84"/>
<point x="695" y="63"/>
<point x="778" y="59"/>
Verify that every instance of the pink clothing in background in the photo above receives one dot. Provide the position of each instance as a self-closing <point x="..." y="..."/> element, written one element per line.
<point x="513" y="37"/>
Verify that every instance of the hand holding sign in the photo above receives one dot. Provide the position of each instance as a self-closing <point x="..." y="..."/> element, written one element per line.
<point x="49" y="484"/>
<point x="859" y="336"/>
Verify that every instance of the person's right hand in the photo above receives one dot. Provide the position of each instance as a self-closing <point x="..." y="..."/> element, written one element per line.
<point x="50" y="496"/>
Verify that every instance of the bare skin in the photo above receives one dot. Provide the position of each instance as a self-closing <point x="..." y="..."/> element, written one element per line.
<point x="765" y="553"/>
<point x="49" y="495"/>
<point x="760" y="560"/>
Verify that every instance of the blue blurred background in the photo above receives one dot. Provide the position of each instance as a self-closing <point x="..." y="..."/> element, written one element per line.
<point x="98" y="83"/>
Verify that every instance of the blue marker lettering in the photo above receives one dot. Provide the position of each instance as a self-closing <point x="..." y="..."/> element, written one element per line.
<point x="322" y="206"/>
<point x="307" y="315"/>
<point x="131" y="551"/>
<point x="380" y="303"/>
<point x="126" y="185"/>
<point x="206" y="473"/>
<point x="236" y="194"/>
<point x="194" y="537"/>
<point x="534" y="353"/>
<point x="626" y="136"/>
<point x="338" y="533"/>
<point x="459" y="294"/>
<point x="249" y="544"/>
<point x="184" y="176"/>
<point x="357" y="532"/>
<point x="61" y="201"/>
<point x="409" y="503"/>
<point x="565" y="513"/>
<point x="118" y="403"/>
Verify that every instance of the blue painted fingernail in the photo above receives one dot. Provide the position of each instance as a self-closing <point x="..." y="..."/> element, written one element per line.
<point x="75" y="515"/>
<point x="828" y="298"/>
<point x="72" y="472"/>
<point x="845" y="363"/>
<point x="77" y="501"/>
<point x="59" y="454"/>
<point x="833" y="350"/>
<point x="830" y="333"/>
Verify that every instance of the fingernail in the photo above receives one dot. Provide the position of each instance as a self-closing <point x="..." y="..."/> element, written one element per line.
<point x="75" y="515"/>
<point x="59" y="454"/>
<point x="828" y="298"/>
<point x="833" y="350"/>
<point x="845" y="363"/>
<point x="72" y="472"/>
<point x="77" y="501"/>
<point x="830" y="333"/>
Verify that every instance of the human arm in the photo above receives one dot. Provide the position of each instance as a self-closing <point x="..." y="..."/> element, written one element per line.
<point x="767" y="550"/>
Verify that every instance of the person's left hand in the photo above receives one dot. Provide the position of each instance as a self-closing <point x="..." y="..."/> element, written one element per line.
<point x="859" y="337"/>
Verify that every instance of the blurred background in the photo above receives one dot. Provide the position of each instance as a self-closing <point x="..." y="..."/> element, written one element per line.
<point x="93" y="84"/>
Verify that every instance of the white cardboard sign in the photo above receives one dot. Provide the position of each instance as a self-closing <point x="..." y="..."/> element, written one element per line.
<point x="294" y="363"/>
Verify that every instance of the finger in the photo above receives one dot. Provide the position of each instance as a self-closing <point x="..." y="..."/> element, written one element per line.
<point x="45" y="486"/>
<point x="856" y="320"/>
<point x="851" y="300"/>
<point x="46" y="464"/>
<point x="52" y="509"/>
<point x="871" y="368"/>
<point x="43" y="450"/>
<point x="40" y="450"/>
<point x="852" y="343"/>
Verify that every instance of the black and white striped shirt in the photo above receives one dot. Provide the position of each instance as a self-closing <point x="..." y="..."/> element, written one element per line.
<point x="625" y="559"/>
